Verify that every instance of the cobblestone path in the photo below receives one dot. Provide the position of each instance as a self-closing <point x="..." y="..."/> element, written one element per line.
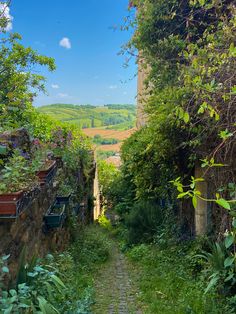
<point x="115" y="291"/>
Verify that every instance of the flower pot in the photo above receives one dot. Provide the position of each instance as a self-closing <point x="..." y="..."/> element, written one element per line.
<point x="59" y="161"/>
<point x="46" y="175"/>
<point x="55" y="216"/>
<point x="10" y="203"/>
<point x="3" y="149"/>
<point x="63" y="199"/>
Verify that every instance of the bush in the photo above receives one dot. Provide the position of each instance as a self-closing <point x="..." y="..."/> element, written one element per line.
<point x="143" y="221"/>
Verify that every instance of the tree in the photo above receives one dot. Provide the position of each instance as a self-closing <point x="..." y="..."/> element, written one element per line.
<point x="18" y="81"/>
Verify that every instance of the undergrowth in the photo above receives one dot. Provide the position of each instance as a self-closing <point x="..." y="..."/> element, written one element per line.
<point x="57" y="284"/>
<point x="169" y="282"/>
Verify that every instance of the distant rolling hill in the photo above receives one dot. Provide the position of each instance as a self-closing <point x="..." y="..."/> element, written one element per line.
<point x="117" y="117"/>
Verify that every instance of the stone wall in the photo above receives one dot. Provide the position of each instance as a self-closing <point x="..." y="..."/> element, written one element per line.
<point x="28" y="230"/>
<point x="96" y="193"/>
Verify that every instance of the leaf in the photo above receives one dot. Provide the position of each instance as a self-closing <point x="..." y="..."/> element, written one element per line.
<point x="194" y="201"/>
<point x="181" y="195"/>
<point x="223" y="203"/>
<point x="234" y="223"/>
<point x="5" y="269"/>
<point x="46" y="307"/>
<point x="212" y="283"/>
<point x="186" y="117"/>
<point x="180" y="189"/>
<point x="229" y="261"/>
<point x="229" y="277"/>
<point x="229" y="240"/>
<point x="57" y="281"/>
<point x="5" y="257"/>
<point x="201" y="2"/>
<point x="199" y="180"/>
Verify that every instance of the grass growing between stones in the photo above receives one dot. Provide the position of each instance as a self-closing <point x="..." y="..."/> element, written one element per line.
<point x="167" y="284"/>
<point x="115" y="289"/>
<point x="78" y="266"/>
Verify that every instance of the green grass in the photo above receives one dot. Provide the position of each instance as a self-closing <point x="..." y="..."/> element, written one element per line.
<point x="119" y="117"/>
<point x="167" y="284"/>
<point x="78" y="266"/>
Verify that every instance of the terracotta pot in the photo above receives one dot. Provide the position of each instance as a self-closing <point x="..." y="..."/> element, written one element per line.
<point x="44" y="174"/>
<point x="9" y="203"/>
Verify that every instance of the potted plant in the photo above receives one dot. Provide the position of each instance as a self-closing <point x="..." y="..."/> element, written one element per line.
<point x="16" y="178"/>
<point x="45" y="167"/>
<point x="60" y="140"/>
<point x="47" y="171"/>
<point x="55" y="216"/>
<point x="3" y="149"/>
<point x="64" y="193"/>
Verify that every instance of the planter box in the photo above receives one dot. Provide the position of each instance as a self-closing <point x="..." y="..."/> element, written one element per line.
<point x="76" y="210"/>
<point x="59" y="161"/>
<point x="11" y="203"/>
<point x="47" y="175"/>
<point x="63" y="199"/>
<point x="3" y="149"/>
<point x="55" y="216"/>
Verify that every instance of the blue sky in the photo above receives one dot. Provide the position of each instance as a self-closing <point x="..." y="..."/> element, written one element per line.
<point x="79" y="35"/>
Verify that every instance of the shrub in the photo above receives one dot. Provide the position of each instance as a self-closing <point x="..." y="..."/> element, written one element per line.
<point x="143" y="221"/>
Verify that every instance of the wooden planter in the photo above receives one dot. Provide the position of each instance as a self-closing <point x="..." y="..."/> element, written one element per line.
<point x="47" y="175"/>
<point x="10" y="203"/>
<point x="55" y="216"/>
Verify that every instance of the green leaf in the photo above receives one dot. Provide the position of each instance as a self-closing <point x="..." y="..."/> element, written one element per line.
<point x="5" y="269"/>
<point x="5" y="257"/>
<point x="212" y="283"/>
<point x="180" y="189"/>
<point x="201" y="2"/>
<point x="181" y="195"/>
<point x="223" y="203"/>
<point x="229" y="240"/>
<point x="46" y="307"/>
<point x="229" y="277"/>
<point x="234" y="223"/>
<point x="229" y="261"/>
<point x="57" y="281"/>
<point x="194" y="201"/>
<point x="186" y="117"/>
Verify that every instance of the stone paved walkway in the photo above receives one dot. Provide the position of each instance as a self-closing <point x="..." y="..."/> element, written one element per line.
<point x="115" y="291"/>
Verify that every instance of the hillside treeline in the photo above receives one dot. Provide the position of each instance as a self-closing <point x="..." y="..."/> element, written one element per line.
<point x="120" y="117"/>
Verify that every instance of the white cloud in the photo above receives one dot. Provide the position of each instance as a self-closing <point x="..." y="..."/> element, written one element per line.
<point x="113" y="86"/>
<point x="65" y="43"/>
<point x="5" y="12"/>
<point x="62" y="95"/>
<point x="55" y="86"/>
